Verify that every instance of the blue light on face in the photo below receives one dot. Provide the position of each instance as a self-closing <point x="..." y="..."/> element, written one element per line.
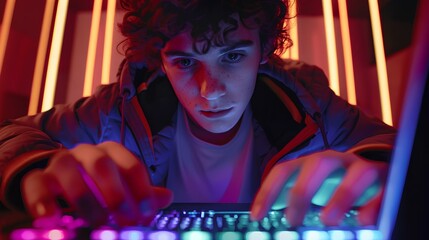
<point x="315" y="235"/>
<point x="162" y="235"/>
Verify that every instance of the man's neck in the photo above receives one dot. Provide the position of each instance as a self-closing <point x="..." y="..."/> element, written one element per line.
<point x="213" y="138"/>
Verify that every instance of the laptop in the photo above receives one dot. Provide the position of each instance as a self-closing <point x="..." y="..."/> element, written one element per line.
<point x="231" y="221"/>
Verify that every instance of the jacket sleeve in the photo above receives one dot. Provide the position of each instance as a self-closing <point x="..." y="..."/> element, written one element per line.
<point x="28" y="142"/>
<point x="347" y="127"/>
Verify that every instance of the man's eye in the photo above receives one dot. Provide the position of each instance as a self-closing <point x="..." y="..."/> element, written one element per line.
<point x="184" y="62"/>
<point x="233" y="57"/>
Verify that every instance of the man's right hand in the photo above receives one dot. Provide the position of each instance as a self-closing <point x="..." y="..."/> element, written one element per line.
<point x="99" y="182"/>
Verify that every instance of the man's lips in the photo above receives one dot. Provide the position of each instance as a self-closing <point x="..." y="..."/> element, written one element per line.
<point x="216" y="113"/>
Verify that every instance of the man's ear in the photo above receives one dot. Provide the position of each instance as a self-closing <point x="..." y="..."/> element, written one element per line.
<point x="264" y="56"/>
<point x="163" y="68"/>
<point x="264" y="59"/>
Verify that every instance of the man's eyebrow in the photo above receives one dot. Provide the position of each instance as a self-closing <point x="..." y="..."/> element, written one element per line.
<point x="175" y="53"/>
<point x="238" y="44"/>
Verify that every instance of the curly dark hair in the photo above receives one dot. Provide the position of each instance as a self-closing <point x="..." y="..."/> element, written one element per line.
<point x="149" y="24"/>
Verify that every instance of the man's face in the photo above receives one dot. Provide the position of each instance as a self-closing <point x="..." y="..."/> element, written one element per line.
<point x="214" y="87"/>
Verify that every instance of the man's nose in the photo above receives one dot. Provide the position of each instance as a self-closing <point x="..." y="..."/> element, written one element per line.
<point x="212" y="86"/>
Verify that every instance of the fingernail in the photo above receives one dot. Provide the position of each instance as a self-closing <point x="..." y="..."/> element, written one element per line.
<point x="44" y="209"/>
<point x="256" y="209"/>
<point x="292" y="216"/>
<point x="89" y="209"/>
<point x="124" y="208"/>
<point x="146" y="208"/>
<point x="331" y="216"/>
<point x="40" y="209"/>
<point x="47" y="216"/>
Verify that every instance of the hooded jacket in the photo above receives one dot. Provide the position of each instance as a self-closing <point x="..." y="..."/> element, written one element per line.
<point x="294" y="113"/>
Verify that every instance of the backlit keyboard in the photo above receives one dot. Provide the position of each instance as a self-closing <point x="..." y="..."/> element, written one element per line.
<point x="171" y="223"/>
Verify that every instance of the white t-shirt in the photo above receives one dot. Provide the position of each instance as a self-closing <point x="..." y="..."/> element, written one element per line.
<point x="205" y="172"/>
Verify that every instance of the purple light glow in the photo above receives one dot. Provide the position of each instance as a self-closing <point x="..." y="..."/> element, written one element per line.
<point x="104" y="234"/>
<point x="162" y="235"/>
<point x="55" y="234"/>
<point x="131" y="234"/>
<point x="24" y="234"/>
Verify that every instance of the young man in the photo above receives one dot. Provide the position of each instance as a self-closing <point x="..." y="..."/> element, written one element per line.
<point x="203" y="111"/>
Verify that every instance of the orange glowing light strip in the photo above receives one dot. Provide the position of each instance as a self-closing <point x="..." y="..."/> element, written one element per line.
<point x="5" y="28"/>
<point x="92" y="47"/>
<point x="108" y="39"/>
<point x="294" y="32"/>
<point x="54" y="55"/>
<point x="381" y="62"/>
<point x="293" y="52"/>
<point x="328" y="17"/>
<point x="40" y="59"/>
<point x="347" y="51"/>
<point x="286" y="54"/>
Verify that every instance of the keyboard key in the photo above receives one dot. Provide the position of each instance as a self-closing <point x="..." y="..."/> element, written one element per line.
<point x="104" y="234"/>
<point x="369" y="234"/>
<point x="315" y="235"/>
<point x="289" y="235"/>
<point x="192" y="235"/>
<point x="162" y="235"/>
<point x="229" y="236"/>
<point x="341" y="235"/>
<point x="257" y="235"/>
<point x="131" y="234"/>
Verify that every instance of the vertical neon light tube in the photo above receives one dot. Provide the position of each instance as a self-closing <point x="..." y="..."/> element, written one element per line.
<point x="54" y="55"/>
<point x="328" y="17"/>
<point x="294" y="53"/>
<point x="380" y="61"/>
<point x="5" y="28"/>
<point x="92" y="47"/>
<point x="286" y="54"/>
<point x="108" y="39"/>
<point x="347" y="51"/>
<point x="40" y="59"/>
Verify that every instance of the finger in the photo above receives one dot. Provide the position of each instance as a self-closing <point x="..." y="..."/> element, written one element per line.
<point x="136" y="178"/>
<point x="313" y="173"/>
<point x="163" y="196"/>
<point x="71" y="177"/>
<point x="131" y="169"/>
<point x="368" y="214"/>
<point x="39" y="191"/>
<point x="271" y="188"/>
<point x="104" y="175"/>
<point x="357" y="179"/>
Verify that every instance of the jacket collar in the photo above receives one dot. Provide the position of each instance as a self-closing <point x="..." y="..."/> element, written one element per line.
<point x="282" y="107"/>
